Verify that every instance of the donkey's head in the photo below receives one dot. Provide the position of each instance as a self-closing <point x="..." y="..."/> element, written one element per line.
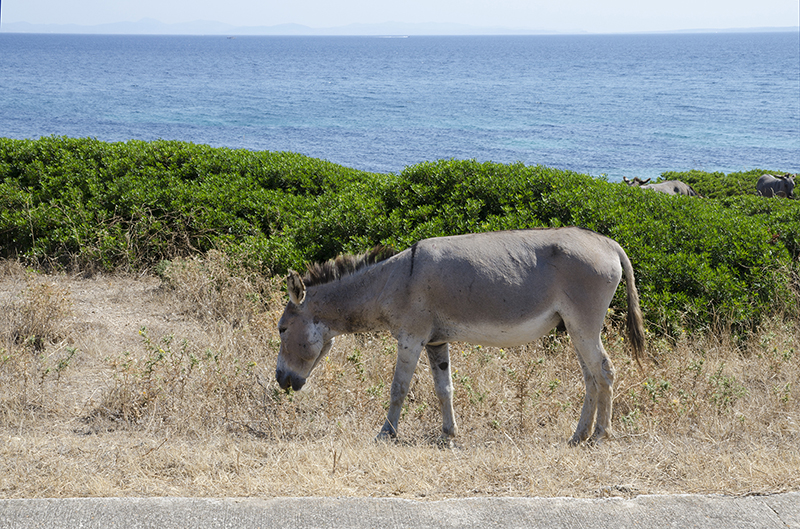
<point x="304" y="341"/>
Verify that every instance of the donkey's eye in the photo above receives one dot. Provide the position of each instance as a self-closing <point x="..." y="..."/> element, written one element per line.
<point x="281" y="330"/>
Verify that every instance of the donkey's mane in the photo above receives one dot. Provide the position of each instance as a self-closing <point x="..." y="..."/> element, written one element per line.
<point x="343" y="265"/>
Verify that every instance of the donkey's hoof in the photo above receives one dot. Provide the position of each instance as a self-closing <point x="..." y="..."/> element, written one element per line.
<point x="598" y="438"/>
<point x="594" y="442"/>
<point x="386" y="437"/>
<point x="445" y="442"/>
<point x="575" y="440"/>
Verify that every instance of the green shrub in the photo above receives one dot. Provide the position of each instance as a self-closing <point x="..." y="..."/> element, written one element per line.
<point x="730" y="257"/>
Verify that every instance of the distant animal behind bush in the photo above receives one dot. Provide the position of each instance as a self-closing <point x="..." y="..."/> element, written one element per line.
<point x="776" y="185"/>
<point x="670" y="187"/>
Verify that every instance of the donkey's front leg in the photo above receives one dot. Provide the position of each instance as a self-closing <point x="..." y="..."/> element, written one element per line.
<point x="408" y="351"/>
<point x="439" y="358"/>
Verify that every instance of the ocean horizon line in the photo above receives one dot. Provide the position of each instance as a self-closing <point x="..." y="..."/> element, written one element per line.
<point x="149" y="26"/>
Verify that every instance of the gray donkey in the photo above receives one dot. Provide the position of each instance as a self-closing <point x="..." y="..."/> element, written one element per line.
<point x="499" y="289"/>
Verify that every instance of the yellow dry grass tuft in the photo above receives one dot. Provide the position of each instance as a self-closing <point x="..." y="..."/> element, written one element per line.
<point x="151" y="388"/>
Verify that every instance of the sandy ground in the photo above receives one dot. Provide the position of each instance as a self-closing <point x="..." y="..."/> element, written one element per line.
<point x="108" y="312"/>
<point x="106" y="316"/>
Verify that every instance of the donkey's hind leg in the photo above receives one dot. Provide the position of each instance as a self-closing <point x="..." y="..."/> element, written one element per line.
<point x="598" y="375"/>
<point x="439" y="358"/>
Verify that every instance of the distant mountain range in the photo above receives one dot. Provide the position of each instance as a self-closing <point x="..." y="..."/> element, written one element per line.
<point x="148" y="26"/>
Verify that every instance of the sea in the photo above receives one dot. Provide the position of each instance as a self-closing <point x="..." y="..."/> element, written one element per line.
<point x="604" y="105"/>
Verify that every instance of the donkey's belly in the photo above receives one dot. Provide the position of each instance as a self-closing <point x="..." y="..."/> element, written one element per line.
<point x="497" y="333"/>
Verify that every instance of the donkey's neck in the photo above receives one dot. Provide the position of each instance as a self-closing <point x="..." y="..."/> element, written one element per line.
<point x="352" y="303"/>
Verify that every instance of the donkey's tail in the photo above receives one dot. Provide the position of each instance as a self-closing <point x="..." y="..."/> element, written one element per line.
<point x="635" y="322"/>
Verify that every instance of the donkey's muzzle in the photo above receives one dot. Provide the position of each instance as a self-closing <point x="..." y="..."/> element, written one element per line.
<point x="286" y="379"/>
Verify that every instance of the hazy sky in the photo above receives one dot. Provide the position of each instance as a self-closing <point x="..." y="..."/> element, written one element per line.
<point x="560" y="15"/>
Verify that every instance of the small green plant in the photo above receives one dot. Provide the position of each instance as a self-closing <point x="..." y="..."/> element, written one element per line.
<point x="725" y="390"/>
<point x="376" y="390"/>
<point x="475" y="396"/>
<point x="784" y="393"/>
<point x="61" y="364"/>
<point x="631" y="420"/>
<point x="356" y="361"/>
<point x="656" y="389"/>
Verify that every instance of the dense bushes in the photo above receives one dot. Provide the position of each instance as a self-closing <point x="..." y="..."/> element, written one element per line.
<point x="719" y="185"/>
<point x="86" y="203"/>
<point x="133" y="204"/>
<point x="697" y="261"/>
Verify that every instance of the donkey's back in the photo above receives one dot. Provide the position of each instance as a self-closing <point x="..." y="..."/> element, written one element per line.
<point x="507" y="288"/>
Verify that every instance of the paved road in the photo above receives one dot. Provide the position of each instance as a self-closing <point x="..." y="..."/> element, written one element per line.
<point x="684" y="511"/>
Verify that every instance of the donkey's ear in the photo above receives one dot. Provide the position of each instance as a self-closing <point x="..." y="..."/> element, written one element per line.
<point x="295" y="287"/>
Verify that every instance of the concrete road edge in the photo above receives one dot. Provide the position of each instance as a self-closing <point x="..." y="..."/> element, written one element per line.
<point x="698" y="511"/>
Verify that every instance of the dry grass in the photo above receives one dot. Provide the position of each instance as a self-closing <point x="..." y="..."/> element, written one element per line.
<point x="122" y="386"/>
